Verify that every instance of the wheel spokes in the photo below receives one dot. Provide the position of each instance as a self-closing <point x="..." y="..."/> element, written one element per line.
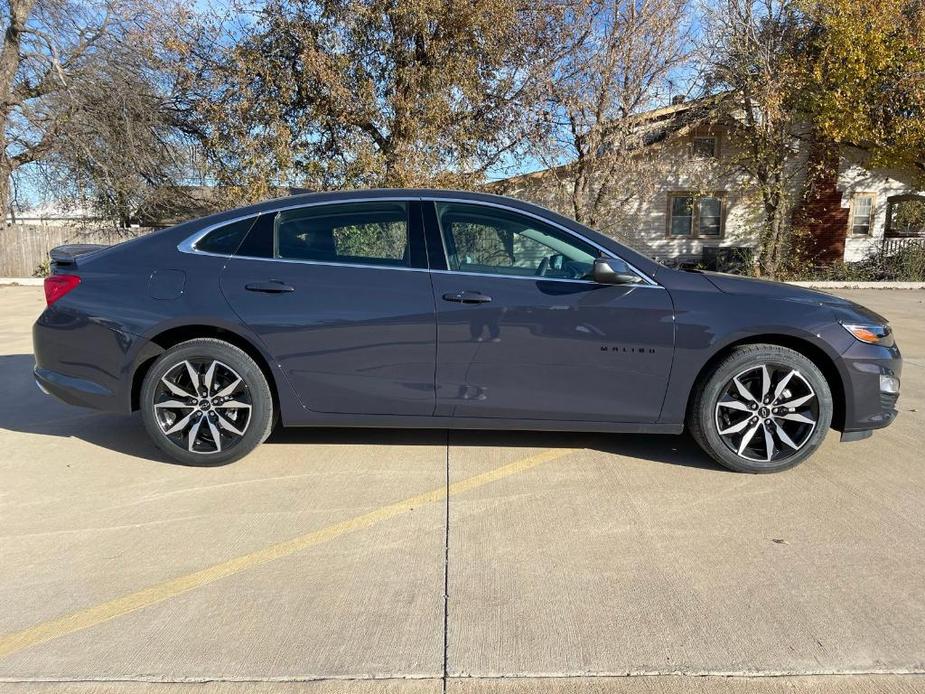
<point x="768" y="444"/>
<point x="193" y="375"/>
<point x="736" y="428"/>
<point x="180" y="424"/>
<point x="228" y="426"/>
<point x="796" y="417"/>
<point x="174" y="404"/>
<point x="216" y="434"/>
<point x="734" y="405"/>
<point x="782" y="435"/>
<point x="743" y="391"/>
<point x="193" y="432"/>
<point x="175" y="389"/>
<point x="782" y="385"/>
<point x="210" y="374"/>
<point x="765" y="382"/>
<point x="749" y="435"/>
<point x="751" y="419"/>
<point x="798" y="401"/>
<point x="192" y="415"/>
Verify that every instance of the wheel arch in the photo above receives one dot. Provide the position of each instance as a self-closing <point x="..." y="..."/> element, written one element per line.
<point x="803" y="346"/>
<point x="164" y="340"/>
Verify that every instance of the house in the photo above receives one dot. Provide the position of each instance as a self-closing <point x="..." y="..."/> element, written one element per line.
<point x="695" y="205"/>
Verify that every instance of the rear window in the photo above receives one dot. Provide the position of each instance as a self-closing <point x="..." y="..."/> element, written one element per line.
<point x="226" y="239"/>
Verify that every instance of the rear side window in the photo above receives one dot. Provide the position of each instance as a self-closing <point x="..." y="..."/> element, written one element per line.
<point x="364" y="233"/>
<point x="226" y="239"/>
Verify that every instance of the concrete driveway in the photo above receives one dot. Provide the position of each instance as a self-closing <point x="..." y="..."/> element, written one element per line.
<point x="410" y="561"/>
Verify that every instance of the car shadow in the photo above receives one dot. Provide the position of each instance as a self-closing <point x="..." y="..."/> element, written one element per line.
<point x="26" y="409"/>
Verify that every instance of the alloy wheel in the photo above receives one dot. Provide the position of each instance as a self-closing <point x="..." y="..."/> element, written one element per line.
<point x="766" y="412"/>
<point x="202" y="405"/>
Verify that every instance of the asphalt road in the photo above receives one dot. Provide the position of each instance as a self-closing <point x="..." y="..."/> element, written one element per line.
<point x="571" y="563"/>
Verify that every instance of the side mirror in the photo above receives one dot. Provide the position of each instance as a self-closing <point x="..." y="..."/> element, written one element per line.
<point x="613" y="271"/>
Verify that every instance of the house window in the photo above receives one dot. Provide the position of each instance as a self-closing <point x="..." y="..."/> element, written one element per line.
<point x="862" y="209"/>
<point x="695" y="215"/>
<point x="905" y="215"/>
<point x="704" y="147"/>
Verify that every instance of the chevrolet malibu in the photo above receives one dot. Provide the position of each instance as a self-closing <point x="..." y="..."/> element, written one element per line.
<point x="418" y="308"/>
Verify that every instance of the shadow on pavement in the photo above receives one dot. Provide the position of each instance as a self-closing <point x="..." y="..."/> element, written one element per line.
<point x="26" y="409"/>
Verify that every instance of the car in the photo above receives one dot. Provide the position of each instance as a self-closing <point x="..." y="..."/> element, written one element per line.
<point x="455" y="310"/>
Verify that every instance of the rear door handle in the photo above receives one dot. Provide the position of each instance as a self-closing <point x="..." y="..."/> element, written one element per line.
<point x="269" y="287"/>
<point x="466" y="297"/>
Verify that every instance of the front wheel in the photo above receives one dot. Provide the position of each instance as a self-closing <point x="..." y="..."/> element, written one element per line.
<point x="764" y="408"/>
<point x="206" y="402"/>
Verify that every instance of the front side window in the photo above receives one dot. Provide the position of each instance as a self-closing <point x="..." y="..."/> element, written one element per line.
<point x="695" y="215"/>
<point x="361" y="233"/>
<point x="488" y="240"/>
<point x="862" y="207"/>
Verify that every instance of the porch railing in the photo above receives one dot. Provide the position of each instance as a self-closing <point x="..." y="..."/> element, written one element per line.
<point x="895" y="244"/>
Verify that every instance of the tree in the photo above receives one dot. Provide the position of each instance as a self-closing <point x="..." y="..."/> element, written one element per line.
<point x="80" y="106"/>
<point x="369" y="92"/>
<point x="756" y="60"/>
<point x="619" y="57"/>
<point x="867" y="77"/>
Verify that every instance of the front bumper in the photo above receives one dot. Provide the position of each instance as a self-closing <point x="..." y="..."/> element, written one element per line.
<point x="870" y="372"/>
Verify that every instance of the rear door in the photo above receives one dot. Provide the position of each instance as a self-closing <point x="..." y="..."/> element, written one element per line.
<point x="341" y="297"/>
<point x="524" y="334"/>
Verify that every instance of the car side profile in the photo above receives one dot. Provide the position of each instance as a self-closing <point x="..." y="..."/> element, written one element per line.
<point x="423" y="308"/>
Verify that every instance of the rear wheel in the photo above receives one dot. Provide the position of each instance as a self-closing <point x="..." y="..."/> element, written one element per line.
<point x="764" y="408"/>
<point x="206" y="402"/>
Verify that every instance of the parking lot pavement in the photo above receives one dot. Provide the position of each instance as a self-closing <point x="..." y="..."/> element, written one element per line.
<point x="319" y="563"/>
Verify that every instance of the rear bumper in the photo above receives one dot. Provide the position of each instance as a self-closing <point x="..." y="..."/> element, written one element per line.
<point x="74" y="391"/>
<point x="867" y="406"/>
<point x="81" y="361"/>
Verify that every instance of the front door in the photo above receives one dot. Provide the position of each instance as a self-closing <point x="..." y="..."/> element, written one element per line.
<point x="341" y="297"/>
<point x="523" y="334"/>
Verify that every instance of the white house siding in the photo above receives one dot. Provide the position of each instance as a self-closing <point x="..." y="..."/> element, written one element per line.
<point x="854" y="179"/>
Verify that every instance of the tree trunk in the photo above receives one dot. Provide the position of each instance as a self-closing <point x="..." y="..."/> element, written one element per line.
<point x="10" y="58"/>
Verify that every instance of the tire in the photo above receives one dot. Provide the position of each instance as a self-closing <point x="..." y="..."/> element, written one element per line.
<point x="236" y="416"/>
<point x="744" y="419"/>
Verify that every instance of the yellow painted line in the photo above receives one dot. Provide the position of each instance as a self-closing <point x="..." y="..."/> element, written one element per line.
<point x="55" y="628"/>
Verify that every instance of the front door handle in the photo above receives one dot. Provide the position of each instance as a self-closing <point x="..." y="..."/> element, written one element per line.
<point x="466" y="297"/>
<point x="269" y="287"/>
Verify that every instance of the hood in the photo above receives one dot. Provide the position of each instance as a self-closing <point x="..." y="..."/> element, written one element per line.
<point x="749" y="286"/>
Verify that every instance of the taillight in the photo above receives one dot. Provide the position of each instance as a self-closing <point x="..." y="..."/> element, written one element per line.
<point x="57" y="286"/>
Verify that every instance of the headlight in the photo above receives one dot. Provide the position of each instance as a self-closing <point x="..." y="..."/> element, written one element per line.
<point x="871" y="333"/>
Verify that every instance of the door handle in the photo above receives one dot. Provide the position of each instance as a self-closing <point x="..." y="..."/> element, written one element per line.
<point x="269" y="287"/>
<point x="466" y="297"/>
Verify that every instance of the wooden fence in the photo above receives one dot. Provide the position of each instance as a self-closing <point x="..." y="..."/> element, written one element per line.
<point x="24" y="247"/>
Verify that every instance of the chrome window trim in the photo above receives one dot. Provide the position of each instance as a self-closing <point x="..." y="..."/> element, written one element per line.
<point x="188" y="245"/>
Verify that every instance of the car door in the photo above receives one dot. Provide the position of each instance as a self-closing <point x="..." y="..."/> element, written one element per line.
<point x="341" y="297"/>
<point x="523" y="333"/>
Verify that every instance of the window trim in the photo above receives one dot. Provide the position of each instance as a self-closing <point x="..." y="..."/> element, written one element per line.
<point x="716" y="150"/>
<point x="188" y="245"/>
<point x="720" y="195"/>
<point x="858" y="195"/>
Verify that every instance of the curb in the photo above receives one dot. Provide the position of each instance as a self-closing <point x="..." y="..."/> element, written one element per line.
<point x="22" y="281"/>
<point x="860" y="285"/>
